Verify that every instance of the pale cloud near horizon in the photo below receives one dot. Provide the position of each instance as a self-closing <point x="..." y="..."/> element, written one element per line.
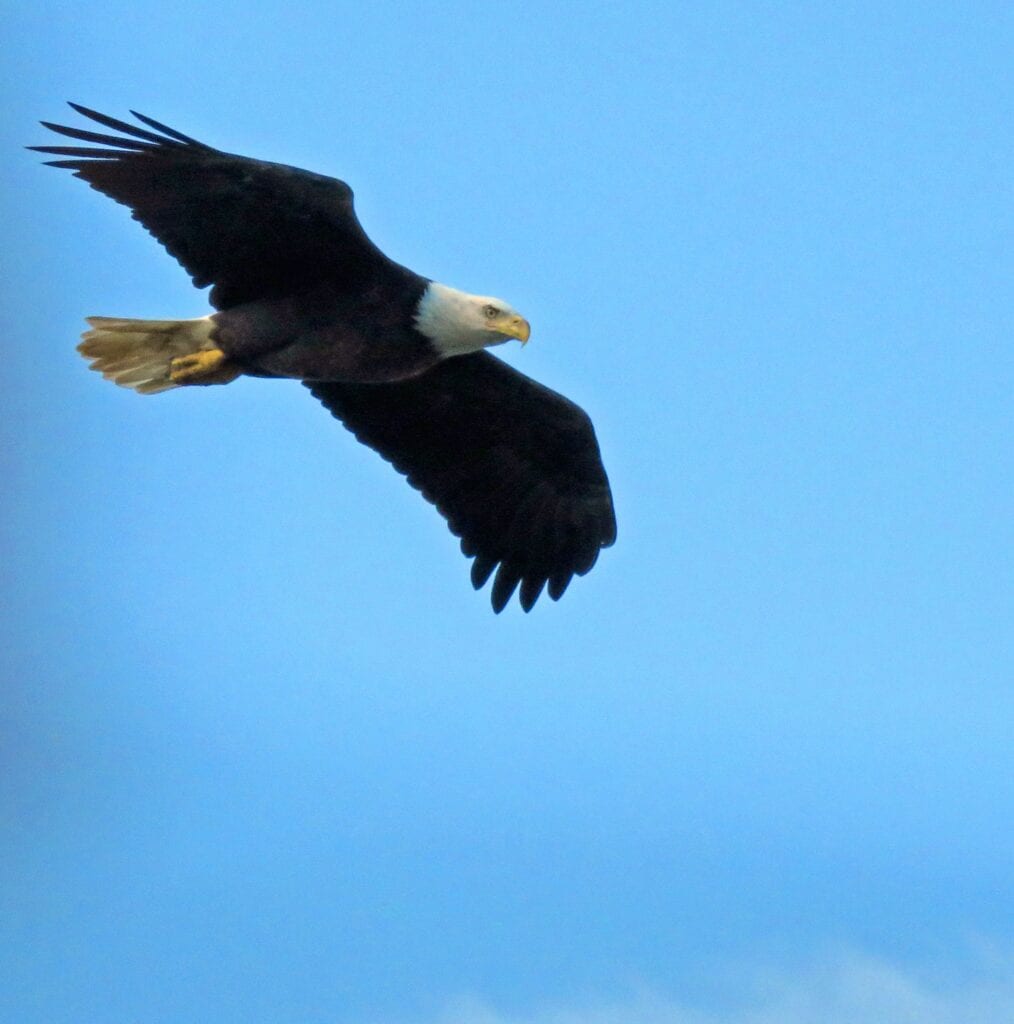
<point x="849" y="989"/>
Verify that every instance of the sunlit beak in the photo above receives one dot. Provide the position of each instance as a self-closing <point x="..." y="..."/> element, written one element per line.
<point x="516" y="327"/>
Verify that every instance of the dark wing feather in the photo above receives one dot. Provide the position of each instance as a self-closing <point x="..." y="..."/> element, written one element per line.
<point x="252" y="229"/>
<point x="513" y="467"/>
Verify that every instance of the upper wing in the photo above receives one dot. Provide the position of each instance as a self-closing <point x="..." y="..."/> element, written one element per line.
<point x="513" y="467"/>
<point x="251" y="228"/>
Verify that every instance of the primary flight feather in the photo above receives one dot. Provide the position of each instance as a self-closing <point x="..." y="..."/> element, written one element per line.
<point x="300" y="291"/>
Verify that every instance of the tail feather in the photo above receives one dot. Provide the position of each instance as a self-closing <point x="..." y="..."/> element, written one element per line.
<point x="138" y="354"/>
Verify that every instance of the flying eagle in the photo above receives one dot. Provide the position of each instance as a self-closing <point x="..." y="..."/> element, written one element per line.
<point x="300" y="291"/>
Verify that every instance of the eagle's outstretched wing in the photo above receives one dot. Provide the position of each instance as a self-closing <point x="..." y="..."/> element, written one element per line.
<point x="513" y="467"/>
<point x="252" y="229"/>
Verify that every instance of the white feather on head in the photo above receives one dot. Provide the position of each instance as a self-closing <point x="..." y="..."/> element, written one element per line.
<point x="457" y="322"/>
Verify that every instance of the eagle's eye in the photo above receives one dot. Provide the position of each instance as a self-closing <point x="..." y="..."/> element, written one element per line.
<point x="490" y="312"/>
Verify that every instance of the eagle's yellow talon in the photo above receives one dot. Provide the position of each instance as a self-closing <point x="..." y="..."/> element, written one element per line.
<point x="208" y="367"/>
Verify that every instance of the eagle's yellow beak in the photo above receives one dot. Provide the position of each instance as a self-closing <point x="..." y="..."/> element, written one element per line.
<point x="515" y="327"/>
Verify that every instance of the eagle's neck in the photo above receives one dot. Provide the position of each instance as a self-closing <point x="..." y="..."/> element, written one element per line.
<point x="451" y="320"/>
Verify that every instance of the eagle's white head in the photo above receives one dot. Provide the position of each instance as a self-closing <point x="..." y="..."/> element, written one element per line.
<point x="458" y="323"/>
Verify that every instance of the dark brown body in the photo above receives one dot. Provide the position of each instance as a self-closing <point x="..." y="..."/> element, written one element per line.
<point x="326" y="335"/>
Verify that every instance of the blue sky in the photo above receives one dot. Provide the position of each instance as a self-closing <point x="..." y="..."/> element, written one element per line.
<point x="265" y="757"/>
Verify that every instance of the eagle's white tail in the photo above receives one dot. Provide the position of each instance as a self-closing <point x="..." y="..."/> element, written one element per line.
<point x="138" y="354"/>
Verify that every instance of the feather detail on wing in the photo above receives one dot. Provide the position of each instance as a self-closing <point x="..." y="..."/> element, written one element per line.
<point x="252" y="229"/>
<point x="513" y="467"/>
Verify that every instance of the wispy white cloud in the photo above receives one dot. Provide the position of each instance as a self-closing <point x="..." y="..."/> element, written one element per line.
<point x="846" y="990"/>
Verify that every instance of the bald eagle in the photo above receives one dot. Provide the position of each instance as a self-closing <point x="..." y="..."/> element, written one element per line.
<point x="300" y="291"/>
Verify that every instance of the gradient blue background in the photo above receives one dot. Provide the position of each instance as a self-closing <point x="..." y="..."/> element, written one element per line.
<point x="267" y="758"/>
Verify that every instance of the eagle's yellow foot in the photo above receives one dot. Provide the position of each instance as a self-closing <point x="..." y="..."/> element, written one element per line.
<point x="208" y="367"/>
